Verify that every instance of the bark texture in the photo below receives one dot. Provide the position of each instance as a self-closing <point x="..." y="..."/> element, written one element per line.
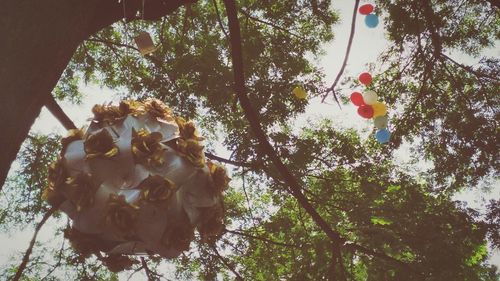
<point x="38" y="38"/>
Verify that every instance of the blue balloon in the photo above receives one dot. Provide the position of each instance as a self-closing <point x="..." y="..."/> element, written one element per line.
<point x="371" y="20"/>
<point x="383" y="135"/>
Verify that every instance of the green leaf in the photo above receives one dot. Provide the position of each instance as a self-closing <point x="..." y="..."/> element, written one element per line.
<point x="380" y="221"/>
<point x="477" y="256"/>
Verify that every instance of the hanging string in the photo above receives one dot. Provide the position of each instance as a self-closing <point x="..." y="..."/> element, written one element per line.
<point x="143" y="9"/>
<point x="127" y="39"/>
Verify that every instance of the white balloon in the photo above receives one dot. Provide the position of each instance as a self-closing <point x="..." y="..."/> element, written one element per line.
<point x="370" y="97"/>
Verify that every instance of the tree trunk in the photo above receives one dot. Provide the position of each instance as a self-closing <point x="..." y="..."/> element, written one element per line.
<point x="38" y="38"/>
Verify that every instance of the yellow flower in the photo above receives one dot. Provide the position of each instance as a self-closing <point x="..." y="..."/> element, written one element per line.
<point x="220" y="180"/>
<point x="81" y="190"/>
<point x="158" y="109"/>
<point x="108" y="114"/>
<point x="187" y="129"/>
<point x="156" y="188"/>
<point x="146" y="147"/>
<point x="100" y="144"/>
<point x="135" y="108"/>
<point x="56" y="179"/>
<point x="192" y="150"/>
<point x="121" y="215"/>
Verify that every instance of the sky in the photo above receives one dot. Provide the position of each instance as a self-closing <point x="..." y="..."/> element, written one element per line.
<point x="367" y="45"/>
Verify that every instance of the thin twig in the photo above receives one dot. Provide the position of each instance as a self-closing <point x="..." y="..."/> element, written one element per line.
<point x="226" y="264"/>
<point x="107" y="42"/>
<point x="249" y="206"/>
<point x="346" y="58"/>
<point x="248" y="15"/>
<point x="219" y="19"/>
<point x="133" y="273"/>
<point x="58" y="263"/>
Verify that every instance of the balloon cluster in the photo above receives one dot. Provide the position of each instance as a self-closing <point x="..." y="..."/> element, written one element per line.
<point x="370" y="108"/>
<point x="371" y="19"/>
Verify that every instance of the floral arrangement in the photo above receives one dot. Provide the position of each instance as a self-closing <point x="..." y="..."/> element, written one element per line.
<point x="136" y="182"/>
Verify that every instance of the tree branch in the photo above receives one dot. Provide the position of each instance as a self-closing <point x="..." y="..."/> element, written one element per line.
<point x="149" y="274"/>
<point x="219" y="19"/>
<point x="337" y="269"/>
<point x="58" y="113"/>
<point x="357" y="248"/>
<point x="230" y="162"/>
<point x="253" y="119"/>
<point x="226" y="264"/>
<point x="469" y="69"/>
<point x="236" y="232"/>
<point x="26" y="257"/>
<point x="346" y="58"/>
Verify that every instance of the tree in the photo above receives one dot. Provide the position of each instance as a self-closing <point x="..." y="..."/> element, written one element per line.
<point x="42" y="38"/>
<point x="381" y="223"/>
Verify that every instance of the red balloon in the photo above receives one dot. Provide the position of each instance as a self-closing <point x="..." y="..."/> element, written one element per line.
<point x="365" y="111"/>
<point x="365" y="78"/>
<point x="357" y="99"/>
<point x="366" y="9"/>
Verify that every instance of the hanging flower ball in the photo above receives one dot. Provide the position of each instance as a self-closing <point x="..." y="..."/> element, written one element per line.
<point x="370" y="97"/>
<point x="381" y="122"/>
<point x="371" y="20"/>
<point x="357" y="99"/>
<point x="365" y="78"/>
<point x="365" y="111"/>
<point x="366" y="9"/>
<point x="383" y="135"/>
<point x="299" y="92"/>
<point x="379" y="109"/>
<point x="136" y="182"/>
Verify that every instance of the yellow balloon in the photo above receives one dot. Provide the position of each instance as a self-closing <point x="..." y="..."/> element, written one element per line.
<point x="299" y="92"/>
<point x="379" y="109"/>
